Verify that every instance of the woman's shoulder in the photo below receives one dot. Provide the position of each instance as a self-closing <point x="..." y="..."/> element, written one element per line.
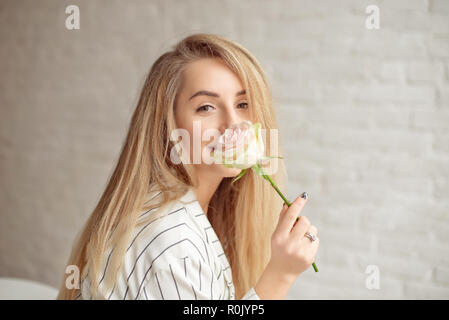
<point x="179" y="210"/>
<point x="172" y="227"/>
<point x="163" y="236"/>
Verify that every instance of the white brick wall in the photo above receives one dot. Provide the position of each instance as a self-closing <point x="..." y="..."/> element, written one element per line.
<point x="365" y="126"/>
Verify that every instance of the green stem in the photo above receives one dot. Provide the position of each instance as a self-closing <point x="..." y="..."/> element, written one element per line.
<point x="267" y="177"/>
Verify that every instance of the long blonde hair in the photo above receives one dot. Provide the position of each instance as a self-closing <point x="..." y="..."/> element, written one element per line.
<point x="244" y="222"/>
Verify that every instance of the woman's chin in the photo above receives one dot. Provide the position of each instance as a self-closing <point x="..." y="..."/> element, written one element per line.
<point x="231" y="172"/>
<point x="220" y="170"/>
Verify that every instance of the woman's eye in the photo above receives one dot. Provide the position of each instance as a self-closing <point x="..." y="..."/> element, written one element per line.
<point x="203" y="108"/>
<point x="243" y="105"/>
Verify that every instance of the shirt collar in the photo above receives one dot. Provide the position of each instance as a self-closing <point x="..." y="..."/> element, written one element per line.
<point x="190" y="201"/>
<point x="189" y="196"/>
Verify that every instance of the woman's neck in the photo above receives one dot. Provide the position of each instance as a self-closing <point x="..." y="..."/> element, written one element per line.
<point x="206" y="189"/>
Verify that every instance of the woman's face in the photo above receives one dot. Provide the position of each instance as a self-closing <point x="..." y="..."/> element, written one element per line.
<point x="212" y="96"/>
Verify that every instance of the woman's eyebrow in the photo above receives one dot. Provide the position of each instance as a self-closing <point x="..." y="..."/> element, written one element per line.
<point x="213" y="94"/>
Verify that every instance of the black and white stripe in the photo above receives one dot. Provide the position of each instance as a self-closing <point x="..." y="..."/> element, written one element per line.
<point x="177" y="257"/>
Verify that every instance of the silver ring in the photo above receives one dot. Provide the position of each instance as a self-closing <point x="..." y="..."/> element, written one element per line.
<point x="310" y="236"/>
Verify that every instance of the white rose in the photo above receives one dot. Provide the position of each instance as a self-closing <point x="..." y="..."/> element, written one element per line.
<point x="241" y="146"/>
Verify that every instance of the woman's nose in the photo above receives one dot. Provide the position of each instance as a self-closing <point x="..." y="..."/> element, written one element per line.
<point x="231" y="117"/>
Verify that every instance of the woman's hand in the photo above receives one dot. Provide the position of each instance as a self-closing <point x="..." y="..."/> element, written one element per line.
<point x="291" y="252"/>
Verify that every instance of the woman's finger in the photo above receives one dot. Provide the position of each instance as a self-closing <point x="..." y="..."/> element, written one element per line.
<point x="300" y="228"/>
<point x="297" y="233"/>
<point x="287" y="220"/>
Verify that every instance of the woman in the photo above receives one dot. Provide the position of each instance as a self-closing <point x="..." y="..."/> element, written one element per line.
<point x="169" y="230"/>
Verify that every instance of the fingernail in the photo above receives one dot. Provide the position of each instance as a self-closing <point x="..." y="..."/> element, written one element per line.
<point x="304" y="195"/>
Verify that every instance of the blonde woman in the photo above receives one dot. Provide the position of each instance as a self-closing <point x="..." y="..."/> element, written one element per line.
<point x="166" y="230"/>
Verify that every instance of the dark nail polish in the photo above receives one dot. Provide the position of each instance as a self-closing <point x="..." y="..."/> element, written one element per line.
<point x="304" y="195"/>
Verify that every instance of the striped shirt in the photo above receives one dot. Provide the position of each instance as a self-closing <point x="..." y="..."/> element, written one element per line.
<point x="175" y="256"/>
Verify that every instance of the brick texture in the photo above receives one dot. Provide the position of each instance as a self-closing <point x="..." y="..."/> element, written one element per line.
<point x="364" y="113"/>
